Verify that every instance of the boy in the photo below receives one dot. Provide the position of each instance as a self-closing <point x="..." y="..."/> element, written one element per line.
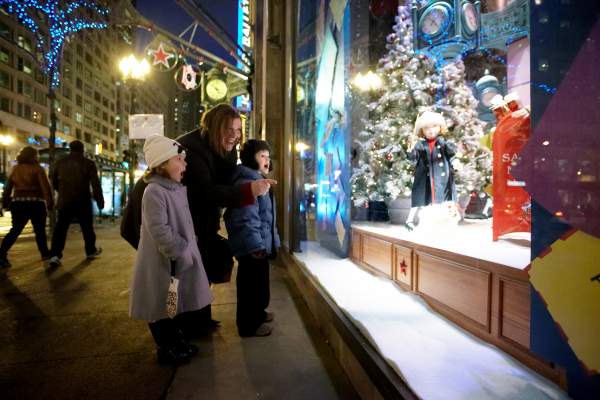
<point x="254" y="240"/>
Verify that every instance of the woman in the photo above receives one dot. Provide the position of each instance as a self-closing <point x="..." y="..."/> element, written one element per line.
<point x="31" y="199"/>
<point x="211" y="158"/>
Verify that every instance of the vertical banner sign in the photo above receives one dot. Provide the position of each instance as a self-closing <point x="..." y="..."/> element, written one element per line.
<point x="512" y="204"/>
<point x="245" y="41"/>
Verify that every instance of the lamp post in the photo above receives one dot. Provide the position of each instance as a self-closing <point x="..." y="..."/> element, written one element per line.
<point x="133" y="72"/>
<point x="5" y="140"/>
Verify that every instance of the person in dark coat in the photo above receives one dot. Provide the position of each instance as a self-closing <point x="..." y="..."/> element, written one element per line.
<point x="31" y="198"/>
<point x="254" y="239"/>
<point x="72" y="177"/>
<point x="131" y="221"/>
<point x="432" y="154"/>
<point x="211" y="159"/>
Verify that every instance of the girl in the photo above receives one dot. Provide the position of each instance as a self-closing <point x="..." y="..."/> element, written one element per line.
<point x="253" y="239"/>
<point x="434" y="178"/>
<point x="167" y="240"/>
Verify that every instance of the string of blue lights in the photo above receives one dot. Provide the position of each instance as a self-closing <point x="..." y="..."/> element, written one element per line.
<point x="60" y="23"/>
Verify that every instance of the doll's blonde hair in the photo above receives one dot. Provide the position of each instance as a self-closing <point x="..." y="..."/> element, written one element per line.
<point x="427" y="119"/>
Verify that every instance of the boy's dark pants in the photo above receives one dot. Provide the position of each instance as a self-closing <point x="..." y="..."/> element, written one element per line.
<point x="253" y="293"/>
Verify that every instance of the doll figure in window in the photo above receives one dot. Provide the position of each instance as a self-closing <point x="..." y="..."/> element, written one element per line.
<point x="432" y="156"/>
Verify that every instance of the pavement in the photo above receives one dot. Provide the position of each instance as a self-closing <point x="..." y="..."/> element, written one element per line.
<point x="66" y="335"/>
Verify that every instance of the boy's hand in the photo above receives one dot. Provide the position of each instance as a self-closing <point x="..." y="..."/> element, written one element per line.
<point x="261" y="186"/>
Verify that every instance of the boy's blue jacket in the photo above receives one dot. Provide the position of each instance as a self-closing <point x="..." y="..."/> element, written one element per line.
<point x="251" y="228"/>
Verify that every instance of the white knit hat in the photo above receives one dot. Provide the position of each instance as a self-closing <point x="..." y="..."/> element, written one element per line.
<point x="429" y="118"/>
<point x="159" y="149"/>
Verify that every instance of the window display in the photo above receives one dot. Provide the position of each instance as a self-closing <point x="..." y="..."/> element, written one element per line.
<point x="366" y="160"/>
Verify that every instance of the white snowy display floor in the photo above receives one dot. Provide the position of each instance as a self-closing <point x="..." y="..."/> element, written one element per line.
<point x="437" y="359"/>
<point x="472" y="238"/>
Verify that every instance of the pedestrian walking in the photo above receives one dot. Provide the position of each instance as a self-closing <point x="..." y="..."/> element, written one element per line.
<point x="72" y="177"/>
<point x="31" y="199"/>
<point x="254" y="240"/>
<point x="211" y="159"/>
<point x="167" y="248"/>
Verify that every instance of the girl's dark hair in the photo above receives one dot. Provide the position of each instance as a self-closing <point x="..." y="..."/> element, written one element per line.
<point x="249" y="150"/>
<point x="27" y="155"/>
<point x="214" y="125"/>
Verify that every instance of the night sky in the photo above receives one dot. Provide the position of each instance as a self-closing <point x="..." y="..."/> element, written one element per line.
<point x="170" y="16"/>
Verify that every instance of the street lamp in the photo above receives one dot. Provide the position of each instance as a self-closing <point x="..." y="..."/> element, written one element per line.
<point x="5" y="141"/>
<point x="133" y="72"/>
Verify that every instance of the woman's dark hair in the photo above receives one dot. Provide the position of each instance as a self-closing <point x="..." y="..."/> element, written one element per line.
<point x="249" y="150"/>
<point x="27" y="155"/>
<point x="214" y="125"/>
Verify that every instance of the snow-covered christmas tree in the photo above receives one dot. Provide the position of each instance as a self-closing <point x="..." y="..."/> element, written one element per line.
<point x="412" y="84"/>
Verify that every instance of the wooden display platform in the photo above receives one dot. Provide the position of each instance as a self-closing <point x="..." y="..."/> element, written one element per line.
<point x="486" y="297"/>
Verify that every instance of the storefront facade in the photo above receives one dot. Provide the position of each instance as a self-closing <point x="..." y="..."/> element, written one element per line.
<point x="512" y="263"/>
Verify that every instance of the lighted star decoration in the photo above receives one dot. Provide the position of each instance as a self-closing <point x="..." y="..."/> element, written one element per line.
<point x="60" y="23"/>
<point x="161" y="57"/>
<point x="188" y="77"/>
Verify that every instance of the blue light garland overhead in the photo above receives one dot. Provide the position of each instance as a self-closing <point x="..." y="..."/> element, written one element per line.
<point x="60" y="23"/>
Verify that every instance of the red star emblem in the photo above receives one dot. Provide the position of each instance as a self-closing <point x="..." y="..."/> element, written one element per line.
<point x="161" y="56"/>
<point x="403" y="267"/>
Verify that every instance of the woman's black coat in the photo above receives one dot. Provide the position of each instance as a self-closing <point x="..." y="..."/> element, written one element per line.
<point x="207" y="178"/>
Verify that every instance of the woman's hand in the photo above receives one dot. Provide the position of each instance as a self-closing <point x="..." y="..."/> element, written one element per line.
<point x="261" y="186"/>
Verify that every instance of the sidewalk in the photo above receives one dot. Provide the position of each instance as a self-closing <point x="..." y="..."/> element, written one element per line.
<point x="66" y="334"/>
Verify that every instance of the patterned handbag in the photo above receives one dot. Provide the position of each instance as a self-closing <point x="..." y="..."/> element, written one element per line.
<point x="172" y="293"/>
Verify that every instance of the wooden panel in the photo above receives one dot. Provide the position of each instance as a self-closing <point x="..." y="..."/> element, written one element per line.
<point x="403" y="266"/>
<point x="355" y="246"/>
<point x="515" y="311"/>
<point x="377" y="253"/>
<point x="462" y="288"/>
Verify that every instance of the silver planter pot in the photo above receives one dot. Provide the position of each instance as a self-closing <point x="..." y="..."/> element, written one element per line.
<point x="398" y="210"/>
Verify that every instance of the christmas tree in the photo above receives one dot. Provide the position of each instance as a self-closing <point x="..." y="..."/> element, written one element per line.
<point x="412" y="84"/>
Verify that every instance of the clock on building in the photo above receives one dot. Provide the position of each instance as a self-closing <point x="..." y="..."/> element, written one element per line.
<point x="216" y="89"/>
<point x="446" y="28"/>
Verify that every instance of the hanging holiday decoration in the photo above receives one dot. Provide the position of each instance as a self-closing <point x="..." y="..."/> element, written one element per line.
<point x="162" y="56"/>
<point x="188" y="77"/>
<point x="411" y="85"/>
<point x="52" y="25"/>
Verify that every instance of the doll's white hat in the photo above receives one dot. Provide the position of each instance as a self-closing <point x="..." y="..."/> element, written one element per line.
<point x="429" y="118"/>
<point x="159" y="149"/>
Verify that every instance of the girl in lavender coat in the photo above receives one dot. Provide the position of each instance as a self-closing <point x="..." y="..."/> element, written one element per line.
<point x="167" y="239"/>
